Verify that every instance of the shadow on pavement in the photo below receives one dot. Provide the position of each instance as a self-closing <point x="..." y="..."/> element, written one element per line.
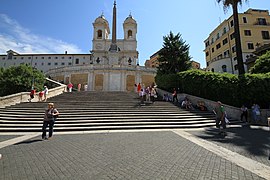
<point x="29" y="141"/>
<point x="254" y="141"/>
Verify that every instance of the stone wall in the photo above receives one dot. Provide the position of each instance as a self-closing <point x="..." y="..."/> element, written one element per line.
<point x="232" y="112"/>
<point x="24" y="96"/>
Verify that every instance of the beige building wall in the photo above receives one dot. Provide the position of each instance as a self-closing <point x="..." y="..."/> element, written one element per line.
<point x="130" y="82"/>
<point x="79" y="79"/>
<point x="220" y="51"/>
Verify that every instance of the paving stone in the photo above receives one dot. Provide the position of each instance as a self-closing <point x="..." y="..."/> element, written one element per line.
<point x="145" y="155"/>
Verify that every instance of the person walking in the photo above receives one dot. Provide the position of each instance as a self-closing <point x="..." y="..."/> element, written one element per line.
<point x="256" y="112"/>
<point x="139" y="88"/>
<point x="70" y="86"/>
<point x="49" y="119"/>
<point x="244" y="113"/>
<point x="220" y="117"/>
<point x="32" y="94"/>
<point x="79" y="87"/>
<point x="45" y="92"/>
<point x="175" y="95"/>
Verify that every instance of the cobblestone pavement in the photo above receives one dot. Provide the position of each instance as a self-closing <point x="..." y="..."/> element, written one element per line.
<point x="6" y="137"/>
<point x="251" y="143"/>
<point x="133" y="155"/>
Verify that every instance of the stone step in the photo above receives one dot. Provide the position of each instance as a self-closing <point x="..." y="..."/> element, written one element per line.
<point x="87" y="111"/>
<point x="128" y="127"/>
<point x="35" y="121"/>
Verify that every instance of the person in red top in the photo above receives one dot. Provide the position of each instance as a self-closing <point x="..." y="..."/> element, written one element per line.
<point x="139" y="88"/>
<point x="70" y="85"/>
<point x="40" y="96"/>
<point x="32" y="94"/>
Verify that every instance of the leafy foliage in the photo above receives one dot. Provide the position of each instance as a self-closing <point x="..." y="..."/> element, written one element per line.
<point x="262" y="65"/>
<point x="20" y="79"/>
<point x="228" y="88"/>
<point x="174" y="56"/>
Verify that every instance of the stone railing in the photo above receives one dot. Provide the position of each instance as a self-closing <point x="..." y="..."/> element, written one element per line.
<point x="88" y="68"/>
<point x="232" y="112"/>
<point x="24" y="96"/>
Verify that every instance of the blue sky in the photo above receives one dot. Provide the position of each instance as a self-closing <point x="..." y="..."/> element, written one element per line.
<point x="54" y="26"/>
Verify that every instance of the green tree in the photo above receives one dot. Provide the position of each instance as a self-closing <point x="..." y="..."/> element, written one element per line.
<point x="262" y="64"/>
<point x="20" y="79"/>
<point x="234" y="4"/>
<point x="174" y="55"/>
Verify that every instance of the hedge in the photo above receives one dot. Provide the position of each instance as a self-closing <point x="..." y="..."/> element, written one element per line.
<point x="228" y="88"/>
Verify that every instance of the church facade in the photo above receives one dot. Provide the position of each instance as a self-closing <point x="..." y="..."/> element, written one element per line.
<point x="111" y="66"/>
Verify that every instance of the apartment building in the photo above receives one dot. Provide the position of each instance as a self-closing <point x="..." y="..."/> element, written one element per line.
<point x="220" y="50"/>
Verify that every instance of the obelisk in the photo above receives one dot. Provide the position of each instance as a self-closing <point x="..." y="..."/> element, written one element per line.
<point x="113" y="47"/>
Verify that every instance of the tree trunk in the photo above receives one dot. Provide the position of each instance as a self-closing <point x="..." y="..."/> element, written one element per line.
<point x="240" y="63"/>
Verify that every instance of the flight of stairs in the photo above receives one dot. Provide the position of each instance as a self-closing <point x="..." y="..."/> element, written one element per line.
<point x="86" y="111"/>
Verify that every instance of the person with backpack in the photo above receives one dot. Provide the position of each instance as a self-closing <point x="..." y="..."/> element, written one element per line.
<point x="50" y="116"/>
<point x="32" y="94"/>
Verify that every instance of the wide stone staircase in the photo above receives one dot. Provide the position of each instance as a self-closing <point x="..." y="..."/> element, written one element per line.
<point x="88" y="111"/>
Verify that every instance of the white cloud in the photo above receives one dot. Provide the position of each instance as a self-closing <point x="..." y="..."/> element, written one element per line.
<point x="14" y="36"/>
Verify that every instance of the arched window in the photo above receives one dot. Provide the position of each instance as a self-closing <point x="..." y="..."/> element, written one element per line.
<point x="224" y="68"/>
<point x="129" y="33"/>
<point x="129" y="61"/>
<point x="99" y="34"/>
<point x="98" y="60"/>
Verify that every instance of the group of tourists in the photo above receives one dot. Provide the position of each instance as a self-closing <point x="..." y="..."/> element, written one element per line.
<point x="148" y="94"/>
<point x="42" y="95"/>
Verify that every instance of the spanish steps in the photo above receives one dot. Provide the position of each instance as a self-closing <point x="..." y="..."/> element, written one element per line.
<point x="88" y="111"/>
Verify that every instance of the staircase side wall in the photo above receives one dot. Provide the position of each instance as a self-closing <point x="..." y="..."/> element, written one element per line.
<point x="232" y="112"/>
<point x="24" y="96"/>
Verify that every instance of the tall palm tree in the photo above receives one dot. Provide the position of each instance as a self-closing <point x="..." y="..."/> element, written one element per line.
<point x="234" y="4"/>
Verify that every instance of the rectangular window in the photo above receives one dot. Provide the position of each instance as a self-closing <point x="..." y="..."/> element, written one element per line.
<point x="213" y="50"/>
<point x="226" y="53"/>
<point x="262" y="21"/>
<point x="3" y="58"/>
<point x="29" y="57"/>
<point x="250" y="46"/>
<point x="265" y="35"/>
<point x="42" y="64"/>
<point x="49" y="64"/>
<point x="232" y="36"/>
<point x="207" y="54"/>
<point x="69" y="63"/>
<point x="225" y="41"/>
<point x="218" y="46"/>
<point x="55" y="57"/>
<point x="233" y="49"/>
<point x="62" y="63"/>
<point x="42" y="57"/>
<point x="21" y="57"/>
<point x="63" y="57"/>
<point x="231" y="23"/>
<point x="247" y="32"/>
<point x="49" y="57"/>
<point x="14" y="58"/>
<point x="212" y="40"/>
<point x="77" y="61"/>
<point x="56" y="64"/>
<point x="35" y="64"/>
<point x="69" y="57"/>
<point x="244" y="20"/>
